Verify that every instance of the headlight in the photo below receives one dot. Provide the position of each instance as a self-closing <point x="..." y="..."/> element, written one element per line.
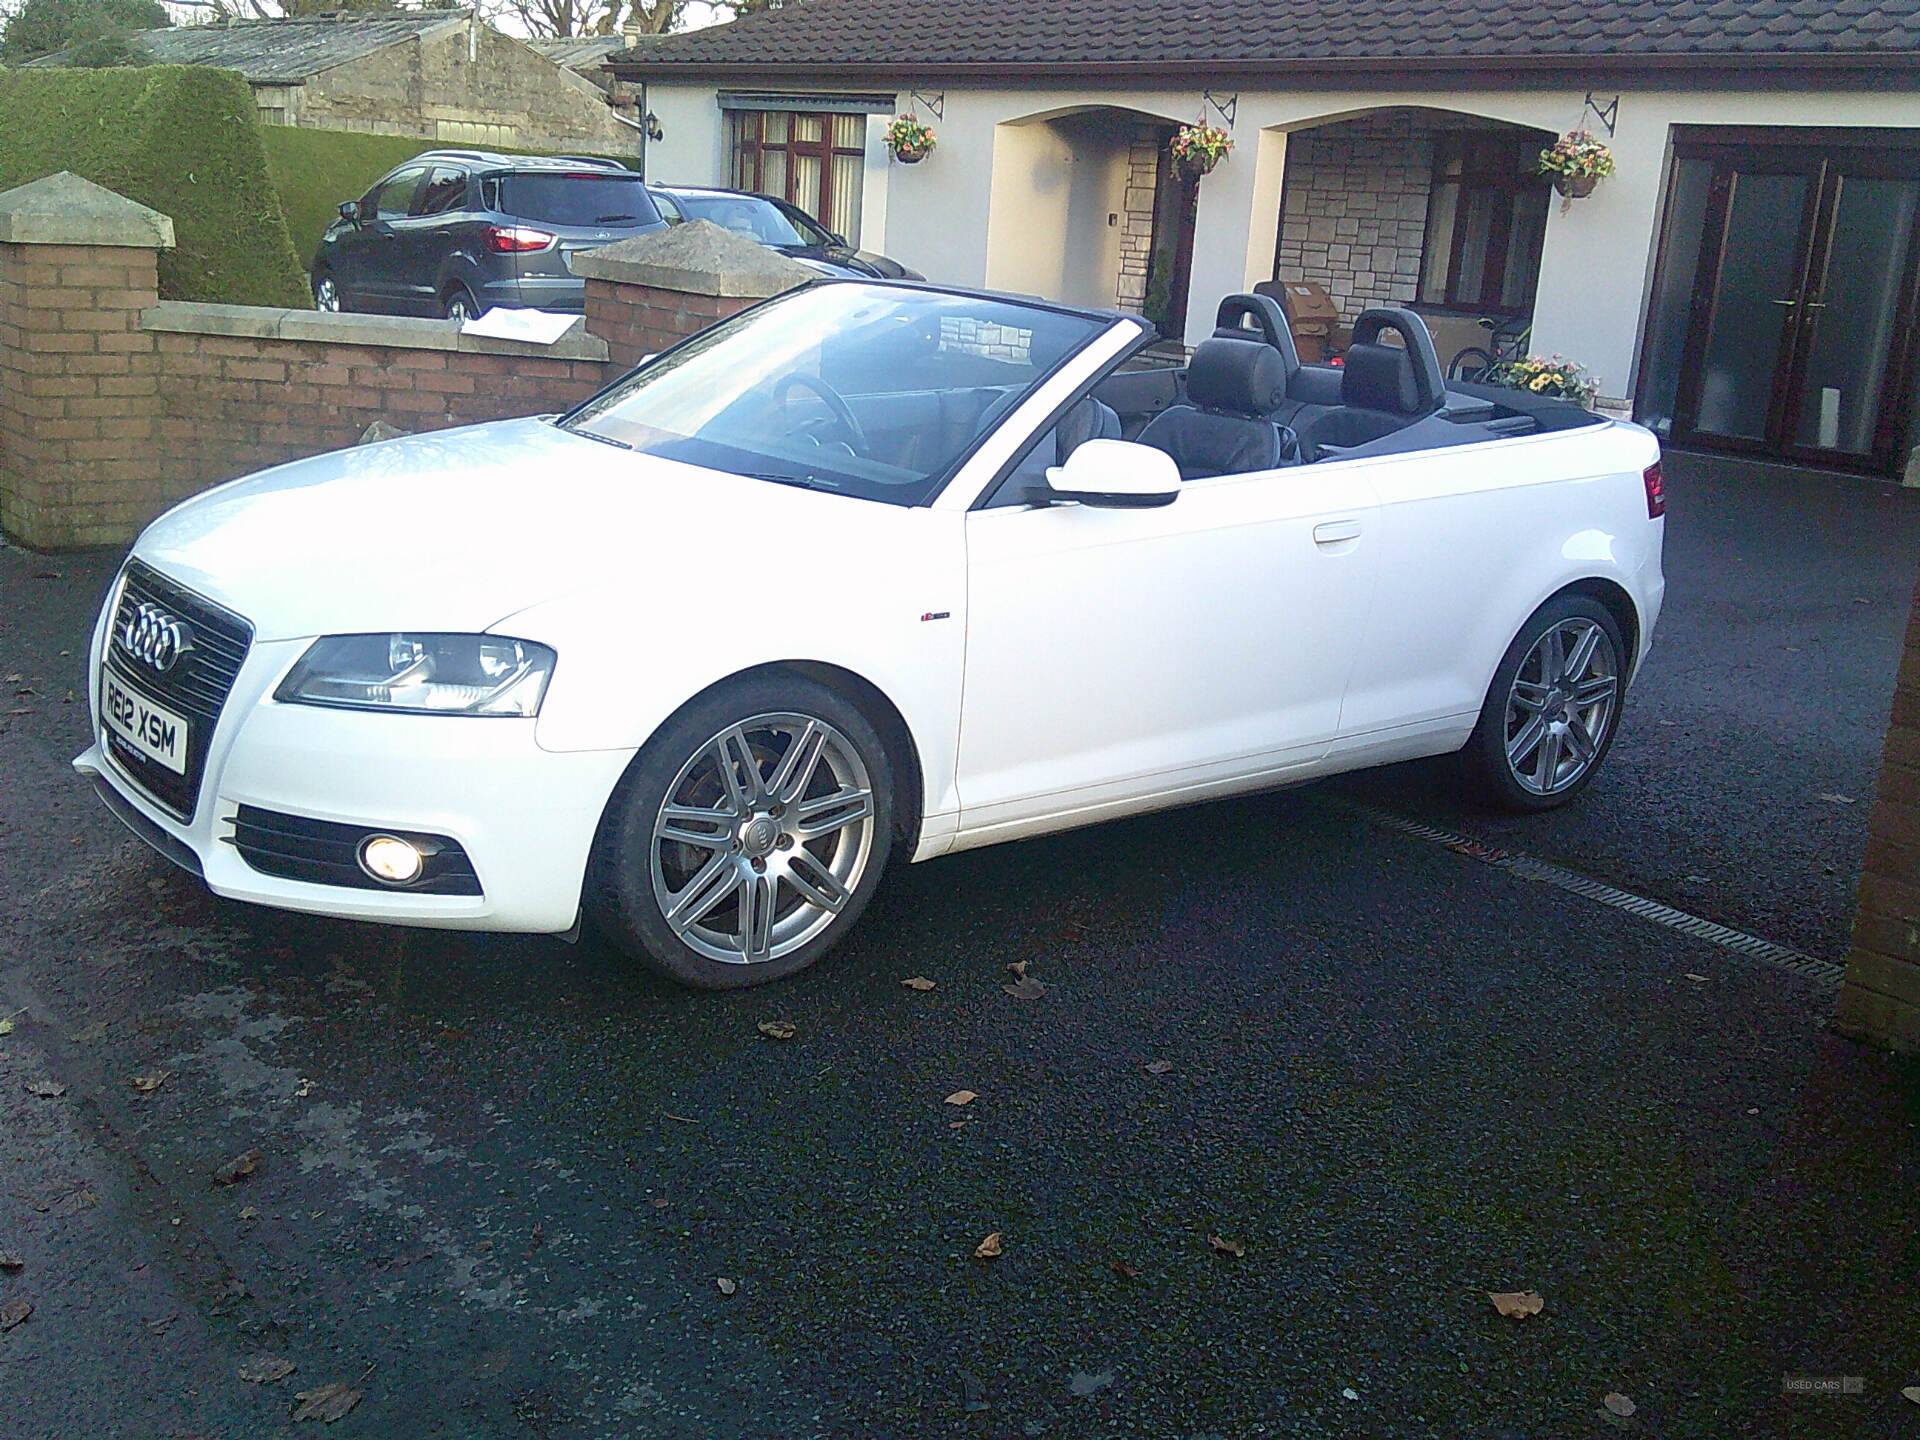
<point x="427" y="674"/>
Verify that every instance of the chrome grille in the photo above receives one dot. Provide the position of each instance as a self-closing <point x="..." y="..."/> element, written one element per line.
<point x="197" y="685"/>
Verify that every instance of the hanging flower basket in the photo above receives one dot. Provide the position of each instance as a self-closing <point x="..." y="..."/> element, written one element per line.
<point x="908" y="141"/>
<point x="1576" y="162"/>
<point x="1197" y="149"/>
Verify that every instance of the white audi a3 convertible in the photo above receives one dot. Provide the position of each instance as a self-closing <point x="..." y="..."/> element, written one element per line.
<point x="870" y="569"/>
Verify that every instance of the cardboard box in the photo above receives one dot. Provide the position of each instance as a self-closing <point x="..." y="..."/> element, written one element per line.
<point x="1310" y="311"/>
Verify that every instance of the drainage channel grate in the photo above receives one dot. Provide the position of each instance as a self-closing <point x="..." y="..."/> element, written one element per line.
<point x="1528" y="868"/>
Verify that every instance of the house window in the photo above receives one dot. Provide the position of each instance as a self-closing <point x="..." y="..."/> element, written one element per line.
<point x="1486" y="220"/>
<point x="810" y="159"/>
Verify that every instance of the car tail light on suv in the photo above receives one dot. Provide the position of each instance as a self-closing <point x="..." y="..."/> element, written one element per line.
<point x="516" y="239"/>
<point x="1656" y="491"/>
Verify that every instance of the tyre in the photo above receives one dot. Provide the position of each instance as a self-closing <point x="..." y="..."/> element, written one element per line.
<point x="747" y="836"/>
<point x="1552" y="710"/>
<point x="326" y="293"/>
<point x="459" y="305"/>
<point x="1471" y="364"/>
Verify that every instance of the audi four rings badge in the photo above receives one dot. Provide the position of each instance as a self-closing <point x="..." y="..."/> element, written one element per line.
<point x="154" y="637"/>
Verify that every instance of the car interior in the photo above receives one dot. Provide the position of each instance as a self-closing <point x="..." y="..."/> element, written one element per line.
<point x="1245" y="403"/>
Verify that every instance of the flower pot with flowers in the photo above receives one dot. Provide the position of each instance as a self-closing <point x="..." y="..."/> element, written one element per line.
<point x="1553" y="376"/>
<point x="909" y="141"/>
<point x="1577" y="162"/>
<point x="1197" y="149"/>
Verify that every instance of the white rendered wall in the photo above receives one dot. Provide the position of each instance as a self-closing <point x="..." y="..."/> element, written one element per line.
<point x="991" y="205"/>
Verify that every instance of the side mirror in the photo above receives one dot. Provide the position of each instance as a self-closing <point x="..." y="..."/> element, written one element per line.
<point x="350" y="210"/>
<point x="1114" y="475"/>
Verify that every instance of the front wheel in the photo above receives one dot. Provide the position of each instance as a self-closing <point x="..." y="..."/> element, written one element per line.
<point x="1552" y="710"/>
<point x="326" y="293"/>
<point x="748" y="835"/>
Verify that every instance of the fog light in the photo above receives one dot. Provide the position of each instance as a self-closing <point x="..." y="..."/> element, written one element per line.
<point x="389" y="858"/>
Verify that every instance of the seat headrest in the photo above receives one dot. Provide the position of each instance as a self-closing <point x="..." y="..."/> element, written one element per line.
<point x="1241" y="377"/>
<point x="1429" y="384"/>
<point x="1086" y="419"/>
<point x="1380" y="377"/>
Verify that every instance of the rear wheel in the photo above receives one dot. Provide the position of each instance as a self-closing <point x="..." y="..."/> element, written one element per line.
<point x="1471" y="364"/>
<point x="459" y="305"/>
<point x="326" y="293"/>
<point x="1552" y="710"/>
<point x="748" y="835"/>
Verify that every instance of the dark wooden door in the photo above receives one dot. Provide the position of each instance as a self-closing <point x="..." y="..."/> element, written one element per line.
<point x="1800" y="343"/>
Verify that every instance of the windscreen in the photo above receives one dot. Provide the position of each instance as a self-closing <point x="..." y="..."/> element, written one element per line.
<point x="868" y="390"/>
<point x="747" y="215"/>
<point x="577" y="198"/>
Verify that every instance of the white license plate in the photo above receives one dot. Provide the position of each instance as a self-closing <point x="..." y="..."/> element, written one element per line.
<point x="149" y="727"/>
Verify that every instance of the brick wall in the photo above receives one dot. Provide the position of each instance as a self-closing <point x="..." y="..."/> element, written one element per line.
<point x="637" y="320"/>
<point x="234" y="403"/>
<point x="1881" y="998"/>
<point x="78" y="381"/>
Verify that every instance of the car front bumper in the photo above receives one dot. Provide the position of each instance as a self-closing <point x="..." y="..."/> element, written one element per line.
<point x="525" y="817"/>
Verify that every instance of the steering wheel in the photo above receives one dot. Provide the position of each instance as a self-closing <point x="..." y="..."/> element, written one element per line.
<point x="854" y="433"/>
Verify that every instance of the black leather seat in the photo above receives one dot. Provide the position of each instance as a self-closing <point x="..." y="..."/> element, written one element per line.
<point x="1086" y="419"/>
<point x="1384" y="387"/>
<point x="1233" y="386"/>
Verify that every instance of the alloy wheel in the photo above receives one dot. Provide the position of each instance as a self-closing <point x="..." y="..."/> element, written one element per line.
<point x="326" y="295"/>
<point x="765" y="833"/>
<point x="1560" y="707"/>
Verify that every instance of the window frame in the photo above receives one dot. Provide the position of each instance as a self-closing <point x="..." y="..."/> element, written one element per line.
<point x="1490" y="163"/>
<point x="748" y="146"/>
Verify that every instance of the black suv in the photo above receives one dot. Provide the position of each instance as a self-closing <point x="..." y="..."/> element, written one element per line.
<point x="459" y="232"/>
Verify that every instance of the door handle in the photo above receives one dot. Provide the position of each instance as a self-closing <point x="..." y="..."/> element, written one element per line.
<point x="1332" y="532"/>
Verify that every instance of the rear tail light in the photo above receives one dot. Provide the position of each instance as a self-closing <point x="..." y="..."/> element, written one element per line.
<point x="517" y="239"/>
<point x="1656" y="491"/>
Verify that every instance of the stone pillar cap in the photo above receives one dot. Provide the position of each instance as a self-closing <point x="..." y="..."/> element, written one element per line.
<point x="697" y="258"/>
<point x="64" y="209"/>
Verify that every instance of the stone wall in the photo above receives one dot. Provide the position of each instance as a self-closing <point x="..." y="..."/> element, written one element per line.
<point x="1136" y="220"/>
<point x="1880" y="1000"/>
<point x="466" y="86"/>
<point x="1354" y="210"/>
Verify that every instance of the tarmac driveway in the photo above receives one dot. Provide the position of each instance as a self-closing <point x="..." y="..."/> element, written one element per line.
<point x="1301" y="1091"/>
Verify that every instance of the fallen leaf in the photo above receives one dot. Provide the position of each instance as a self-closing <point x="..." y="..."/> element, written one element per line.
<point x="1912" y="1392"/>
<point x="1019" y="969"/>
<point x="11" y="1261"/>
<point x="918" y="982"/>
<point x="147" y="1084"/>
<point x="1222" y="1246"/>
<point x="726" y="1286"/>
<point x="1697" y="979"/>
<point x="1754" y="1111"/>
<point x="1832" y="799"/>
<point x="778" y="1029"/>
<point x="1025" y="989"/>
<point x="13" y="1313"/>
<point x="660" y="1202"/>
<point x="6" y="1027"/>
<point x="956" y="1124"/>
<point x="1125" y="1271"/>
<point x="1517" y="1304"/>
<point x="230" y="1172"/>
<point x="1159" y="1067"/>
<point x="327" y="1402"/>
<point x="988" y="1248"/>
<point x="1619" y="1404"/>
<point x="46" y="1089"/>
<point x="962" y="1097"/>
<point x="266" y="1370"/>
<point x="1083" y="1383"/>
<point x="250" y="1212"/>
<point x="1349" y="1393"/>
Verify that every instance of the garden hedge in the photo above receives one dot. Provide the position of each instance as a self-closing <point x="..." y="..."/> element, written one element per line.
<point x="184" y="140"/>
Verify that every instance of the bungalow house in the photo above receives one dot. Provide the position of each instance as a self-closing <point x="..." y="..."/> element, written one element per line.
<point x="439" y="75"/>
<point x="1744" y="280"/>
